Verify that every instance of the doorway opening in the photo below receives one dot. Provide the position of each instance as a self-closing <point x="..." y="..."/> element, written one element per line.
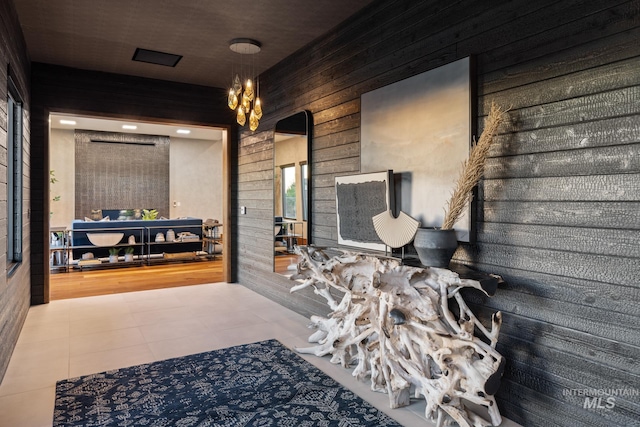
<point x="125" y="172"/>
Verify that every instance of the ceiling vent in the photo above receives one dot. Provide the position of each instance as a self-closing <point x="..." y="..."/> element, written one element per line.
<point x="155" y="57"/>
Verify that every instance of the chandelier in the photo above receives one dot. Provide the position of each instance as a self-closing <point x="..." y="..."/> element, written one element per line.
<point x="244" y="99"/>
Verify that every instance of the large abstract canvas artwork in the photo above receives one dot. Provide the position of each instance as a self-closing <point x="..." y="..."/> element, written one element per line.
<point x="421" y="128"/>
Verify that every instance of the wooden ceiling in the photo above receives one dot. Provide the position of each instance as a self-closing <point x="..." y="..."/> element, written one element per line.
<point x="103" y="35"/>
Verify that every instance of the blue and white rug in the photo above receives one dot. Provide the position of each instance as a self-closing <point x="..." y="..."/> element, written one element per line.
<point x="262" y="384"/>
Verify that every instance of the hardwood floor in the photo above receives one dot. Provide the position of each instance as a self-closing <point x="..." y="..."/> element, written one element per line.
<point x="76" y="284"/>
<point x="282" y="263"/>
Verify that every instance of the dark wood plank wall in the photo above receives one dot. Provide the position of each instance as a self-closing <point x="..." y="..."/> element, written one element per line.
<point x="558" y="212"/>
<point x="68" y="90"/>
<point x="14" y="290"/>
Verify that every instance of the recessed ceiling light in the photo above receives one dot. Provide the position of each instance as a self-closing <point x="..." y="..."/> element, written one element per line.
<point x="184" y="131"/>
<point x="131" y="127"/>
<point x="67" y="122"/>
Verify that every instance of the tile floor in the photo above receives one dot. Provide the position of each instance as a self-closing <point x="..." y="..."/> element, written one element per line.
<point x="69" y="338"/>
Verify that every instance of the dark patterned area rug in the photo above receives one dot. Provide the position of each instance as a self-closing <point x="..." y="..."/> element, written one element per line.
<point x="261" y="384"/>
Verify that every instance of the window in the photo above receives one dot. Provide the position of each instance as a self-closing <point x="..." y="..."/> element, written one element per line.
<point x="289" y="192"/>
<point x="14" y="177"/>
<point x="305" y="191"/>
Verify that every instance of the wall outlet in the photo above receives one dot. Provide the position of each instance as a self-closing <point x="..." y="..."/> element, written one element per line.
<point x="243" y="210"/>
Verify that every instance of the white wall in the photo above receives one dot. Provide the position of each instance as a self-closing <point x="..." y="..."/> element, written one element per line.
<point x="195" y="176"/>
<point x="62" y="162"/>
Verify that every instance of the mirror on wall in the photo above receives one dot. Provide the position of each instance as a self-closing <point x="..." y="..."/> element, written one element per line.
<point x="291" y="190"/>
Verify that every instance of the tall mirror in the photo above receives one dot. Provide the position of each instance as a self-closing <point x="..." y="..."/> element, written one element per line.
<point x="291" y="191"/>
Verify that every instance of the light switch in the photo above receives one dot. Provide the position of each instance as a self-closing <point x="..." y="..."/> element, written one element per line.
<point x="243" y="210"/>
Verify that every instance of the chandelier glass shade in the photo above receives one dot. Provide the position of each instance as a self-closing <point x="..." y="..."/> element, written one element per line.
<point x="244" y="100"/>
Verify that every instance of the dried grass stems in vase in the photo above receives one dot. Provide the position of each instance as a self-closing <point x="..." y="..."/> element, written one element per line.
<point x="473" y="168"/>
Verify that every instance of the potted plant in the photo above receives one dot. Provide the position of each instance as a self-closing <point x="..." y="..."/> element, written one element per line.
<point x="113" y="254"/>
<point x="436" y="246"/>
<point x="128" y="254"/>
<point x="149" y="214"/>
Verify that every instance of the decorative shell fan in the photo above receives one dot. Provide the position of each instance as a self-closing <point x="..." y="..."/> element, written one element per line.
<point x="395" y="232"/>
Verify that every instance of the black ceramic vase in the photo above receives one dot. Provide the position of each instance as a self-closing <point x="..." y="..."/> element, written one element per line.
<point x="435" y="247"/>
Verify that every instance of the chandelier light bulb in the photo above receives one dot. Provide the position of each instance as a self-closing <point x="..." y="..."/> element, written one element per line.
<point x="232" y="101"/>
<point x="248" y="90"/>
<point x="257" y="107"/>
<point x="253" y="121"/>
<point x="246" y="102"/>
<point x="241" y="118"/>
<point x="237" y="86"/>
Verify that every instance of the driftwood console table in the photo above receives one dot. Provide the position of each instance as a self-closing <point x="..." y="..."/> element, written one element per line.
<point x="394" y="324"/>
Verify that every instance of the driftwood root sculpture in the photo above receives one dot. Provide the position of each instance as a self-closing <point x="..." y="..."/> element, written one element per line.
<point x="394" y="323"/>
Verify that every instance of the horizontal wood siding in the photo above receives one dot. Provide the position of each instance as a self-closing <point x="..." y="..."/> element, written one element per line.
<point x="558" y="210"/>
<point x="14" y="289"/>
